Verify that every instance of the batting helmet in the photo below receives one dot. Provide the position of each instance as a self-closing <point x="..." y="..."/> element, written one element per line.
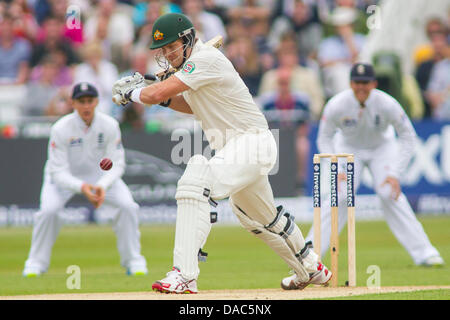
<point x="171" y="27"/>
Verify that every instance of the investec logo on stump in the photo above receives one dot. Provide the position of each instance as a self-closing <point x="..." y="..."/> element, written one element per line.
<point x="350" y="191"/>
<point x="316" y="188"/>
<point x="334" y="195"/>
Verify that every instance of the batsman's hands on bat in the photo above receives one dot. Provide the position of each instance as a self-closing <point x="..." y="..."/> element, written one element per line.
<point x="122" y="88"/>
<point x="163" y="75"/>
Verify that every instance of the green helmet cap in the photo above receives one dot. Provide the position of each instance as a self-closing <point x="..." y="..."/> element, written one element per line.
<point x="168" y="28"/>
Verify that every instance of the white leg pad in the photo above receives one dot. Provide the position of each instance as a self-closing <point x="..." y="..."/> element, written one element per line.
<point x="285" y="227"/>
<point x="274" y="241"/>
<point x="193" y="216"/>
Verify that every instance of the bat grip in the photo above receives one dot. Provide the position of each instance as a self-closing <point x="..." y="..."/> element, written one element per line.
<point x="117" y="99"/>
<point x="150" y="77"/>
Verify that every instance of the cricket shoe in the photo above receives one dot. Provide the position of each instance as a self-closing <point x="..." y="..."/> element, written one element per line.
<point x="175" y="283"/>
<point x="137" y="271"/>
<point x="435" y="261"/>
<point x="31" y="272"/>
<point x="320" y="277"/>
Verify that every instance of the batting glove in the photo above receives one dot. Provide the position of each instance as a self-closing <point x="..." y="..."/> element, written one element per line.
<point x="123" y="87"/>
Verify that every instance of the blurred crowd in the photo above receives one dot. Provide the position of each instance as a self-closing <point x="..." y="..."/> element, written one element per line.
<point x="292" y="54"/>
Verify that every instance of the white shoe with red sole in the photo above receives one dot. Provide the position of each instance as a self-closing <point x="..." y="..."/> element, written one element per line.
<point x="175" y="283"/>
<point x="320" y="277"/>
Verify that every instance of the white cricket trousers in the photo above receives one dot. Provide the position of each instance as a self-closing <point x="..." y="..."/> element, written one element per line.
<point x="240" y="171"/>
<point x="47" y="223"/>
<point x="398" y="213"/>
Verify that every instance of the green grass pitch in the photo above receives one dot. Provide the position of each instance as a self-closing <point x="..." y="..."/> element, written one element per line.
<point x="237" y="259"/>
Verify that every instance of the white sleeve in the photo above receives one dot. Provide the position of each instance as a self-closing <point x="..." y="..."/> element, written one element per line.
<point x="58" y="163"/>
<point x="327" y="130"/>
<point x="115" y="152"/>
<point x="406" y="137"/>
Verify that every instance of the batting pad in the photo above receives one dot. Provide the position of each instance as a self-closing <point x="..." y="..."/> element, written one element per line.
<point x="273" y="240"/>
<point x="193" y="216"/>
<point x="284" y="226"/>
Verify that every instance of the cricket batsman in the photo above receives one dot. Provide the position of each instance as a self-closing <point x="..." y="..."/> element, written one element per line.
<point x="77" y="143"/>
<point x="362" y="120"/>
<point x="207" y="86"/>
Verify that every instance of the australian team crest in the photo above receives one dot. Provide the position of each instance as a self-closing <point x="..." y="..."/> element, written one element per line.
<point x="188" y="67"/>
<point x="158" y="35"/>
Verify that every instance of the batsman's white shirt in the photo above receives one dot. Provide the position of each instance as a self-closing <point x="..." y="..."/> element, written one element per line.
<point x="368" y="133"/>
<point x="218" y="97"/>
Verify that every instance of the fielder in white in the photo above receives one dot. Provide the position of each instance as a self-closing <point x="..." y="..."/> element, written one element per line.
<point x="78" y="142"/>
<point x="361" y="120"/>
<point x="208" y="86"/>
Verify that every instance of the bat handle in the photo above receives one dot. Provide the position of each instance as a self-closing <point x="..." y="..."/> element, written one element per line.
<point x="117" y="98"/>
<point x="150" y="77"/>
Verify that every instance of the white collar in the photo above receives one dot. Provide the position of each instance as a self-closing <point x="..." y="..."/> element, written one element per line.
<point x="81" y="122"/>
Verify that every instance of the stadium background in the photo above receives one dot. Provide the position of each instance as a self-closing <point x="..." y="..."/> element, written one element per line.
<point x="62" y="41"/>
<point x="288" y="54"/>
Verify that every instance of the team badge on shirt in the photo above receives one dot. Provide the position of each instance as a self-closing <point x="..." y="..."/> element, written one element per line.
<point x="100" y="138"/>
<point x="73" y="142"/>
<point x="377" y="120"/>
<point x="349" y="122"/>
<point x="188" y="67"/>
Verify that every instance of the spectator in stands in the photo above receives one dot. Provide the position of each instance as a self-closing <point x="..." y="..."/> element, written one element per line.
<point x="302" y="22"/>
<point x="438" y="91"/>
<point x="290" y="109"/>
<point x="14" y="69"/>
<point x="25" y="25"/>
<point x="218" y="9"/>
<point x="303" y="79"/>
<point x="359" y="7"/>
<point x="245" y="58"/>
<point x="98" y="71"/>
<point x="424" y="52"/>
<point x="41" y="87"/>
<point x="120" y="31"/>
<point x="154" y="8"/>
<point x="14" y="54"/>
<point x="144" y="9"/>
<point x="438" y="47"/>
<point x="207" y="25"/>
<point x="51" y="39"/>
<point x="401" y="85"/>
<point x="64" y="73"/>
<point x="337" y="53"/>
<point x="41" y="9"/>
<point x="60" y="104"/>
<point x="253" y="18"/>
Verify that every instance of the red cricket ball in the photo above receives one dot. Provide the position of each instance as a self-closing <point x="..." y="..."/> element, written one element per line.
<point x="106" y="164"/>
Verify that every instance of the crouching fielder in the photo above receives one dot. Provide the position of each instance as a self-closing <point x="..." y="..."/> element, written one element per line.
<point x="207" y="86"/>
<point x="78" y="142"/>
